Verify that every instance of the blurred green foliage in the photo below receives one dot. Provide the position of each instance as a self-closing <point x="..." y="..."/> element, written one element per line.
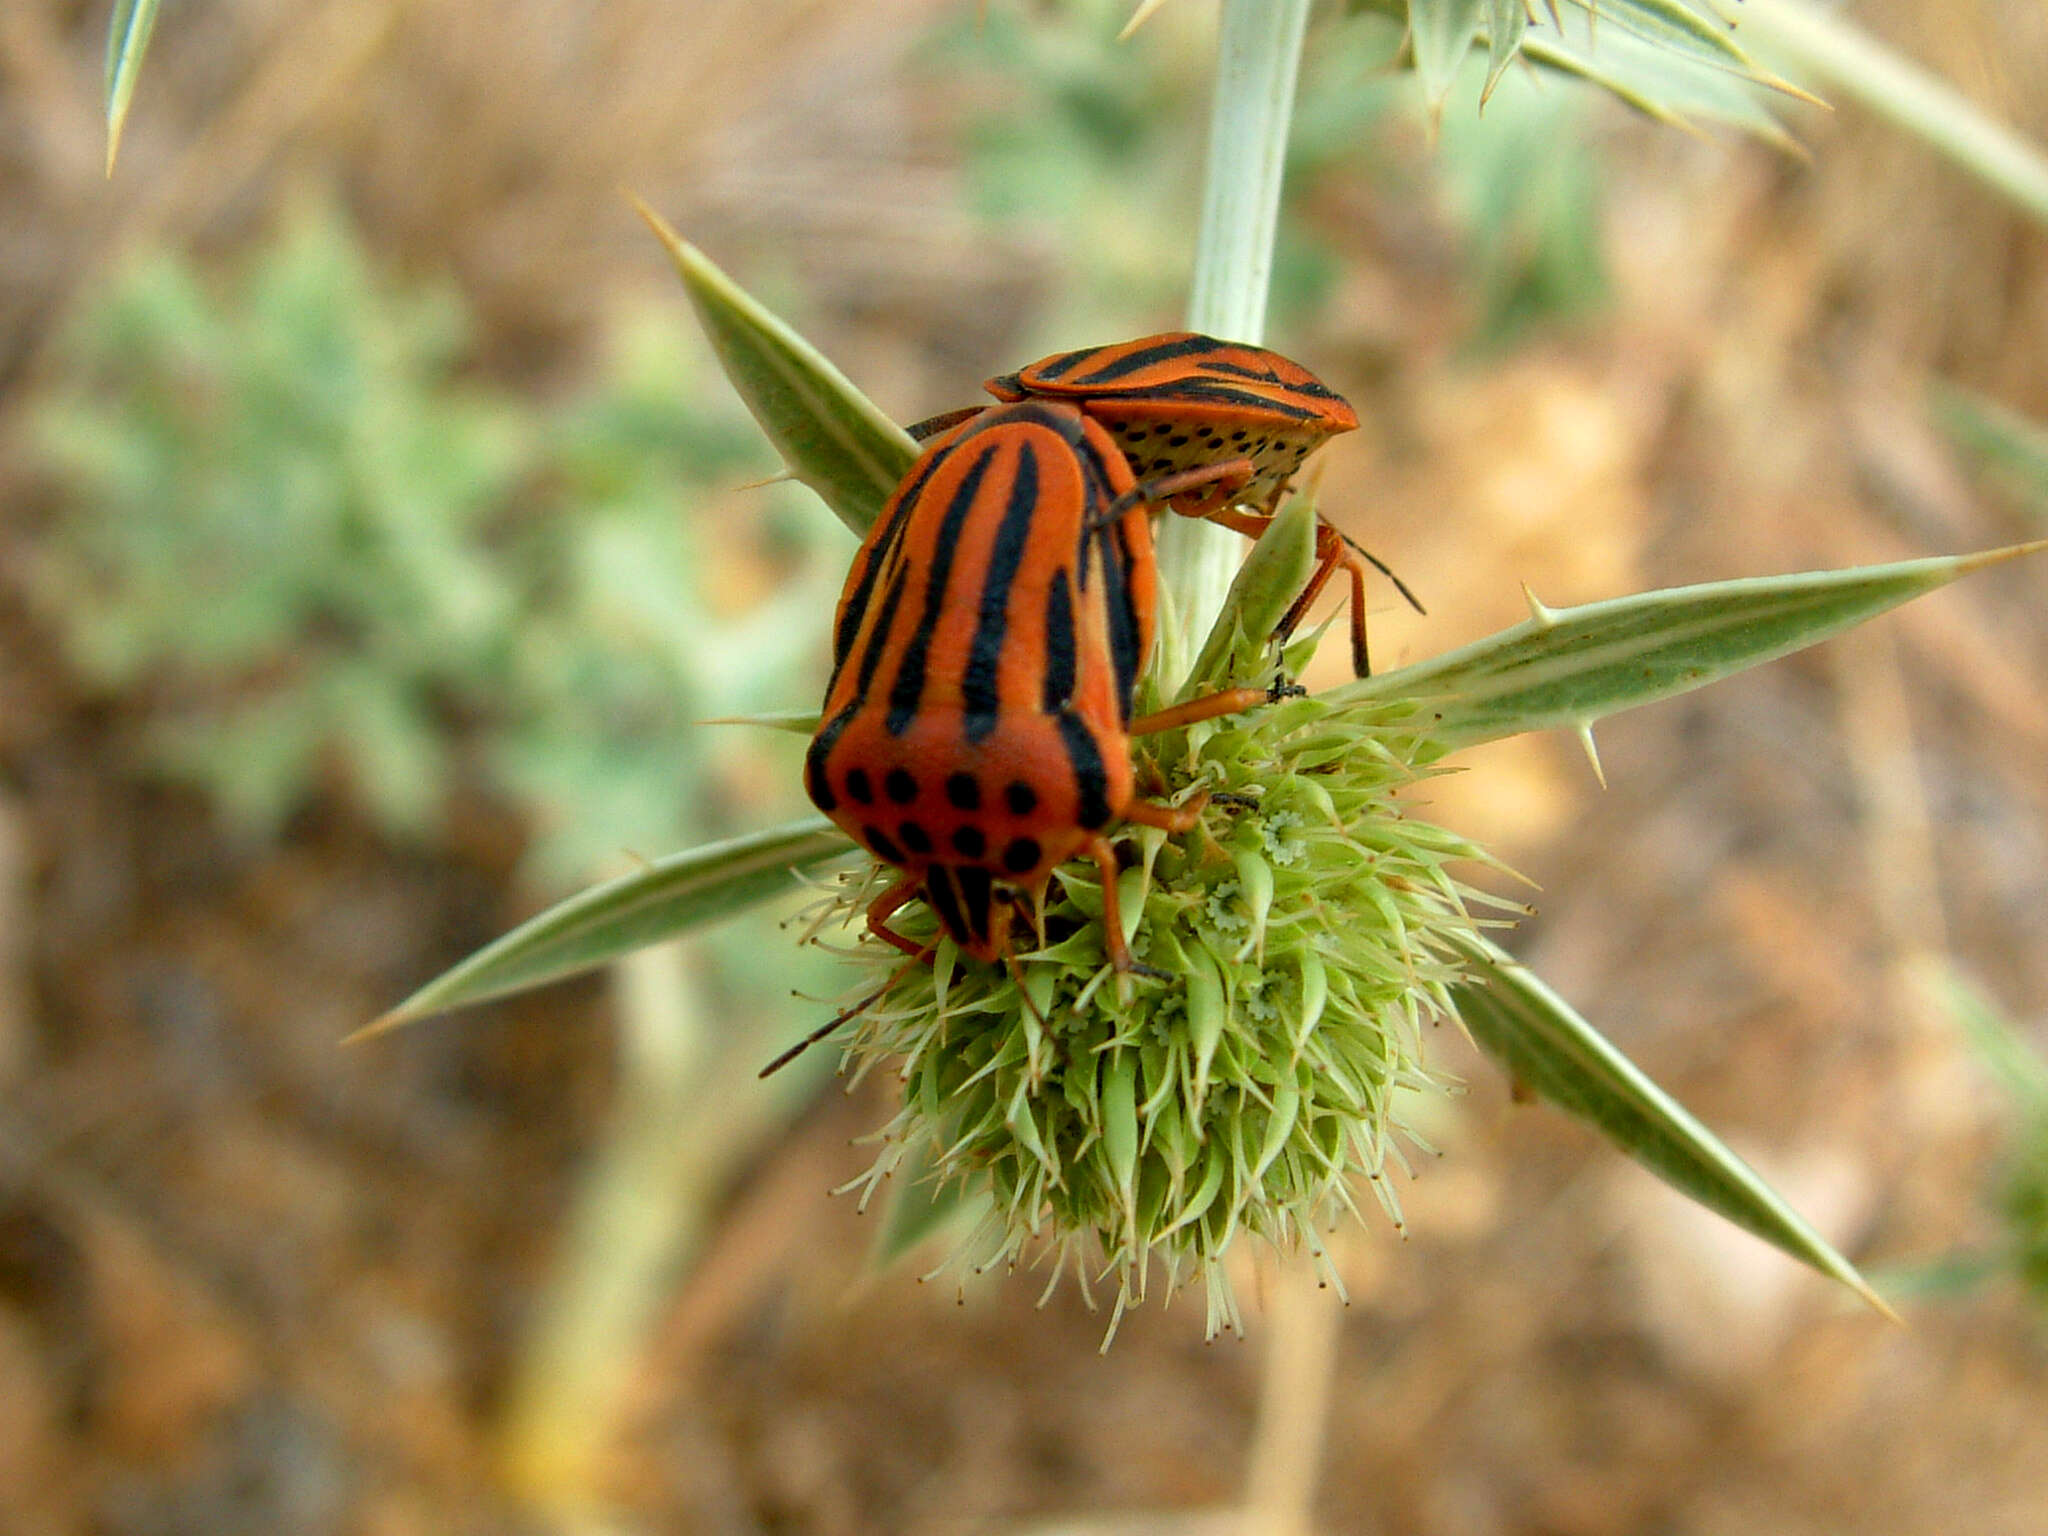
<point x="1096" y="145"/>
<point x="2016" y="1192"/>
<point x="1525" y="182"/>
<point x="2019" y="1191"/>
<point x="290" y="518"/>
<point x="2005" y="450"/>
<point x="1099" y="143"/>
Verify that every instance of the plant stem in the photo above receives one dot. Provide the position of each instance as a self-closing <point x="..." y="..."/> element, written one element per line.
<point x="636" y="1218"/>
<point x="1258" y="55"/>
<point x="1284" y="1462"/>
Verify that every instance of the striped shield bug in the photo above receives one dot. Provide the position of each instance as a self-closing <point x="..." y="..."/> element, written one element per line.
<point x="977" y="729"/>
<point x="1183" y="401"/>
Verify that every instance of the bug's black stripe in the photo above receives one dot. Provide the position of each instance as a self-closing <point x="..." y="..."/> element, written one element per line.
<point x="1314" y="389"/>
<point x="1099" y="493"/>
<point x="1091" y="782"/>
<point x="1056" y="366"/>
<point x="977" y="893"/>
<point x="932" y="426"/>
<point x="879" y="547"/>
<point x="961" y="895"/>
<point x="1126" y="635"/>
<point x="815" y="758"/>
<point x="938" y="890"/>
<point x="907" y="692"/>
<point x="1266" y="375"/>
<point x="828" y="734"/>
<point x="1101" y="501"/>
<point x="1217" y="392"/>
<point x="984" y="658"/>
<point x="1130" y="362"/>
<point x="1060" y="660"/>
<point x="1055" y="416"/>
<point x="878" y="638"/>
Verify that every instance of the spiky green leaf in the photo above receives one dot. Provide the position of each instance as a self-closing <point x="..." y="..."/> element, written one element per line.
<point x="1821" y="42"/>
<point x="1570" y="667"/>
<point x="668" y="898"/>
<point x="1548" y="1048"/>
<point x="920" y="1206"/>
<point x="833" y="438"/>
<point x="1506" y="21"/>
<point x="1442" y="31"/>
<point x="1660" y="85"/>
<point x="1675" y="28"/>
<point x="128" y="31"/>
<point x="799" y="722"/>
<point x="1264" y="589"/>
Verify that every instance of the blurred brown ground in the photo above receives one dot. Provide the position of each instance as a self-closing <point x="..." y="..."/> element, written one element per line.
<point x="249" y="1282"/>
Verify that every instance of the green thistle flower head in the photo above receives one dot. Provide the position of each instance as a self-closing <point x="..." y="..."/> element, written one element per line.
<point x="1312" y="930"/>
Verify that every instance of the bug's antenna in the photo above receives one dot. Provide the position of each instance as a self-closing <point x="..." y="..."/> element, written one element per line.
<point x="827" y="1027"/>
<point x="1384" y="569"/>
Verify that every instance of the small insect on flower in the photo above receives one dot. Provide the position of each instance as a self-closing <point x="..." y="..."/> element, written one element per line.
<point x="1183" y="401"/>
<point x="976" y="732"/>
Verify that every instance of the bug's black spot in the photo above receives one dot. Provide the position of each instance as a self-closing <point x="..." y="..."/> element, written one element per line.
<point x="963" y="791"/>
<point x="1178" y="440"/>
<point x="915" y="838"/>
<point x="1239" y="435"/>
<point x="1022" y="855"/>
<point x="901" y="786"/>
<point x="880" y="845"/>
<point x="969" y="842"/>
<point x="858" y="788"/>
<point x="1020" y="797"/>
<point x="1161" y="430"/>
<point x="1161" y="464"/>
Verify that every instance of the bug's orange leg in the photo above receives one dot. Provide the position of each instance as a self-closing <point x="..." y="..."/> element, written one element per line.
<point x="1238" y="520"/>
<point x="1099" y="849"/>
<point x="1333" y="549"/>
<point x="1228" y="477"/>
<point x="1169" y="818"/>
<point x="1225" y="701"/>
<point x="884" y="906"/>
<point x="1331" y="552"/>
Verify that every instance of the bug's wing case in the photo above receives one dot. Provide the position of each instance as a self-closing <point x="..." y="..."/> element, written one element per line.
<point x="987" y="646"/>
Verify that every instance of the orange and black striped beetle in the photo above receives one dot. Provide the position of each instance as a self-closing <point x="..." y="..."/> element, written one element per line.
<point x="976" y="731"/>
<point x="1182" y="401"/>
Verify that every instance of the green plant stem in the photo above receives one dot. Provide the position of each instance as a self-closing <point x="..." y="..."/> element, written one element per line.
<point x="1258" y="55"/>
<point x="1284" y="1461"/>
<point x="1848" y="60"/>
<point x="1258" y="58"/>
<point x="636" y="1218"/>
<point x="685" y="1116"/>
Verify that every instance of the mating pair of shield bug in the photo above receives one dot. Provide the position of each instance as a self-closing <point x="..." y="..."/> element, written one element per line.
<point x="977" y="729"/>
